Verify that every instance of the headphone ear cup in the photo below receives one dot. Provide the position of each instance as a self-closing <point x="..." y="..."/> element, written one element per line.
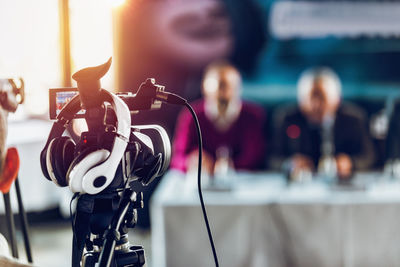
<point x="43" y="163"/>
<point x="62" y="157"/>
<point x="86" y="160"/>
<point x="79" y="158"/>
<point x="60" y="149"/>
<point x="49" y="158"/>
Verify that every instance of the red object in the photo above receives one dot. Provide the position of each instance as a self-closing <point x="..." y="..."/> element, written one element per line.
<point x="10" y="171"/>
<point x="293" y="131"/>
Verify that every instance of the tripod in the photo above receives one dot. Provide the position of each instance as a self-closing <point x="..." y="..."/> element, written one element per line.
<point x="106" y="240"/>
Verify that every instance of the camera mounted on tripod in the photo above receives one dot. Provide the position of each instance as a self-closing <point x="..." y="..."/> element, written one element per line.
<point x="102" y="166"/>
<point x="91" y="165"/>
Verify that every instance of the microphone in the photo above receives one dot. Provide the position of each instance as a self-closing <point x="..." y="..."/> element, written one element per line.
<point x="150" y="96"/>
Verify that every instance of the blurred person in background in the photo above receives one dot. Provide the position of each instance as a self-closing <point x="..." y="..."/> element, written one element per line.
<point x="392" y="146"/>
<point x="229" y="126"/>
<point x="173" y="41"/>
<point x="321" y="133"/>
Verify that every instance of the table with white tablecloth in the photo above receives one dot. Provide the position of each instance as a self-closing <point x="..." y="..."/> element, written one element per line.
<point x="264" y="222"/>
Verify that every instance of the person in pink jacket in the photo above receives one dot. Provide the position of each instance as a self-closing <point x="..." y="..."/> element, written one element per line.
<point x="228" y="125"/>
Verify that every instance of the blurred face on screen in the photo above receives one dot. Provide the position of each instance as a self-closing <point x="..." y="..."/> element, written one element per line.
<point x="193" y="32"/>
<point x="318" y="103"/>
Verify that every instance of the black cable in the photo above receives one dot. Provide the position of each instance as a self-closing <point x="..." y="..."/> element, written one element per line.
<point x="123" y="191"/>
<point x="175" y="99"/>
<point x="199" y="182"/>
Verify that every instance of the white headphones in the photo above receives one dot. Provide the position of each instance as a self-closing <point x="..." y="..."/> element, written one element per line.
<point x="92" y="170"/>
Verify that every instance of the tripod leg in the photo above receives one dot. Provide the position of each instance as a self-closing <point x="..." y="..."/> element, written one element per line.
<point x="10" y="225"/>
<point x="24" y="222"/>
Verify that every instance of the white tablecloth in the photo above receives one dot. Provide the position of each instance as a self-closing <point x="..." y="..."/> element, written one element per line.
<point x="263" y="222"/>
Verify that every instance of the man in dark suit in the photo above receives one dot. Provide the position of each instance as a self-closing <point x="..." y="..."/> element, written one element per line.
<point x="393" y="134"/>
<point x="321" y="132"/>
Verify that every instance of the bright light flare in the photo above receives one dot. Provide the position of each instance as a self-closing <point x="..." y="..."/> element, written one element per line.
<point x="116" y="3"/>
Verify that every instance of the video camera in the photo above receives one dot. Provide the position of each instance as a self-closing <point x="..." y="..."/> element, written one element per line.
<point x="103" y="165"/>
<point x="143" y="151"/>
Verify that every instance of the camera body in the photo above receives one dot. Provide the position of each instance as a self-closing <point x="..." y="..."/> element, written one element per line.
<point x="90" y="167"/>
<point x="148" y="150"/>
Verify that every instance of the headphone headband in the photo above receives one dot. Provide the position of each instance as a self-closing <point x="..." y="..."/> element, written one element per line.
<point x="70" y="109"/>
<point x="74" y="106"/>
<point x="84" y="176"/>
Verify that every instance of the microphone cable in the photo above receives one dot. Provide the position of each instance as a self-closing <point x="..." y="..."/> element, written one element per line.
<point x="203" y="208"/>
<point x="177" y="100"/>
